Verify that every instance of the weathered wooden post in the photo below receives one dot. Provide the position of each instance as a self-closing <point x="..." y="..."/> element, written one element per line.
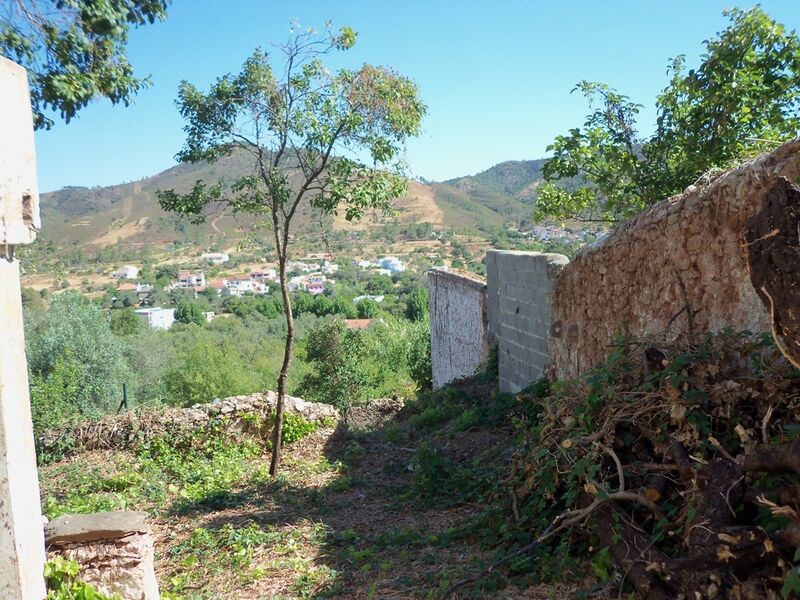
<point x="22" y="553"/>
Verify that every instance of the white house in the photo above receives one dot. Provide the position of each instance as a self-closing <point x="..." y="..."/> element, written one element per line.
<point x="329" y="267"/>
<point x="216" y="258"/>
<point x="157" y="317"/>
<point x="126" y="272"/>
<point x="392" y="263"/>
<point x="188" y="279"/>
<point x="378" y="299"/>
<point x="239" y="287"/>
<point x="313" y="284"/>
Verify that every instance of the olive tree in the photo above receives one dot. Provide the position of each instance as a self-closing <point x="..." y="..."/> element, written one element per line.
<point x="331" y="139"/>
<point x="74" y="50"/>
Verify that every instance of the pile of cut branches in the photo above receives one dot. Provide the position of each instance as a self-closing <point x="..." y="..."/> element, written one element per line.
<point x="683" y="460"/>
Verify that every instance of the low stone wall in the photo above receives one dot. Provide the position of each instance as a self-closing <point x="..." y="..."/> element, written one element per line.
<point x="459" y="340"/>
<point x="520" y="286"/>
<point x="723" y="254"/>
<point x="242" y="415"/>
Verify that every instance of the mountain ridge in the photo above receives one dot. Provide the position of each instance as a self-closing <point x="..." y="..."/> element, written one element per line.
<point x="129" y="212"/>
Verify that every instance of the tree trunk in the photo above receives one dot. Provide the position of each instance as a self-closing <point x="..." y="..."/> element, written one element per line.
<point x="287" y="359"/>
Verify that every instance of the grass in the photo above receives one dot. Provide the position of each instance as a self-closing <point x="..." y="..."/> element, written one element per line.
<point x="395" y="510"/>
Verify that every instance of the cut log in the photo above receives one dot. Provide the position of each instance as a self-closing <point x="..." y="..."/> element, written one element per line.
<point x="784" y="458"/>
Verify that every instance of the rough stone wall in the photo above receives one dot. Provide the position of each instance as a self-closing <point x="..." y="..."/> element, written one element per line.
<point x="459" y="340"/>
<point x="237" y="414"/>
<point x="520" y="286"/>
<point x="693" y="252"/>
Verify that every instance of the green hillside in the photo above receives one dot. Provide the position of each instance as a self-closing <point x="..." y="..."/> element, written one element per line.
<point x="516" y="178"/>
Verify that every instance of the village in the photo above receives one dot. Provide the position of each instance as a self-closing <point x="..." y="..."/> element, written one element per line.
<point x="303" y="276"/>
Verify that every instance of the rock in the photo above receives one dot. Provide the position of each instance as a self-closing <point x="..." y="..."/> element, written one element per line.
<point x="95" y="526"/>
<point x="114" y="550"/>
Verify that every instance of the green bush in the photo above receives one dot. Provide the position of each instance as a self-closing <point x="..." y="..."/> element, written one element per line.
<point x="339" y="377"/>
<point x="73" y="325"/>
<point x="205" y="370"/>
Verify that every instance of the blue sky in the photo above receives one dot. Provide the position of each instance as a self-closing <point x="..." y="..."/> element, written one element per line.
<point x="496" y="75"/>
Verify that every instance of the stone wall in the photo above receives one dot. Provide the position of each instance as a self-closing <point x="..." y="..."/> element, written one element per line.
<point x="459" y="340"/>
<point x="520" y="285"/>
<point x="249" y="415"/>
<point x="722" y="254"/>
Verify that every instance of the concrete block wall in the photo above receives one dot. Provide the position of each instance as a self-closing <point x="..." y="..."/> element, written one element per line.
<point x="520" y="287"/>
<point x="459" y="325"/>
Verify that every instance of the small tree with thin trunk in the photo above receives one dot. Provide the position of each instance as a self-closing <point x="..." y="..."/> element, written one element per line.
<point x="332" y="139"/>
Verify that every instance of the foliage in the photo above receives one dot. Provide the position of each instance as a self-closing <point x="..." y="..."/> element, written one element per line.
<point x="296" y="428"/>
<point x="204" y="370"/>
<point x="73" y="326"/>
<point x="637" y="408"/>
<point x="56" y="397"/>
<point x="417" y="305"/>
<point x="63" y="583"/>
<point x="125" y="321"/>
<point x="743" y="97"/>
<point x="74" y="50"/>
<point x="367" y="308"/>
<point x="337" y="354"/>
<point x="189" y="312"/>
<point x="419" y="357"/>
<point x="308" y="122"/>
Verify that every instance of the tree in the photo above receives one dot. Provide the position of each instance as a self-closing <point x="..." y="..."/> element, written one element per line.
<point x="417" y="305"/>
<point x="337" y="354"/>
<point x="189" y="312"/>
<point x="204" y="370"/>
<point x="367" y="308"/>
<point x="379" y="284"/>
<point x="74" y="50"/>
<point x="73" y="326"/>
<point x="306" y="129"/>
<point x="125" y="322"/>
<point x="744" y="97"/>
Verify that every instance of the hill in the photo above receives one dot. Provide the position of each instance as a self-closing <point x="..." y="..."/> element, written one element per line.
<point x="129" y="213"/>
<point x="515" y="178"/>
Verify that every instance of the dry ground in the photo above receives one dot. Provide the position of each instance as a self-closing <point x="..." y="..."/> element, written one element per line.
<point x="341" y="521"/>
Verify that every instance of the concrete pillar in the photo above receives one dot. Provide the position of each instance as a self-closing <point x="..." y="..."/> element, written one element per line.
<point x="21" y="528"/>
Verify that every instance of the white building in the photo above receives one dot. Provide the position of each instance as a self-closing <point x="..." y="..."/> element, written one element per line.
<point x="188" y="279"/>
<point x="239" y="287"/>
<point x="126" y="272"/>
<point x="392" y="263"/>
<point x="216" y="258"/>
<point x="313" y="284"/>
<point x="157" y="317"/>
<point x="329" y="268"/>
<point x="378" y="299"/>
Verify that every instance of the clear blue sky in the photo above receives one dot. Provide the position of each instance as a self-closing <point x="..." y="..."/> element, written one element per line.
<point x="496" y="75"/>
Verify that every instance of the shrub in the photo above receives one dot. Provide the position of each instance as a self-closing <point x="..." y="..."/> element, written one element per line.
<point x="337" y="355"/>
<point x="189" y="312"/>
<point x="204" y="371"/>
<point x="367" y="308"/>
<point x="74" y="325"/>
<point x="419" y="356"/>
